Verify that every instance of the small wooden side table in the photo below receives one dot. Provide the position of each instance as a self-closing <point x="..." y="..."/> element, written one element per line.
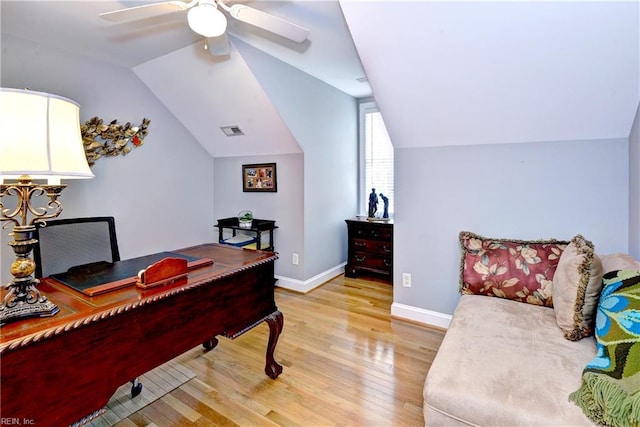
<point x="258" y="226"/>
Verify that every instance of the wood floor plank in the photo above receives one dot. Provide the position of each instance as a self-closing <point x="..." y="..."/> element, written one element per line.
<point x="346" y="363"/>
<point x="181" y="407"/>
<point x="193" y="399"/>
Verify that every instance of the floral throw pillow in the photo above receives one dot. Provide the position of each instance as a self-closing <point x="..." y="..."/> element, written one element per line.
<point x="520" y="270"/>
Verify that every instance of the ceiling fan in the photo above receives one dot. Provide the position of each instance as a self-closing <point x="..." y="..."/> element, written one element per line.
<point x="205" y="18"/>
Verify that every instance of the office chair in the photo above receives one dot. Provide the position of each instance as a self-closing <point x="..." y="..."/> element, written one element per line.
<point x="67" y="243"/>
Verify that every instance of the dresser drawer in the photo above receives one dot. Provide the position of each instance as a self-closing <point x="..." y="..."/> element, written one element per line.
<point x="374" y="246"/>
<point x="372" y="232"/>
<point x="371" y="260"/>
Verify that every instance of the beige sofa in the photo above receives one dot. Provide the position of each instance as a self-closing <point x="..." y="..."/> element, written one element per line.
<point x="507" y="363"/>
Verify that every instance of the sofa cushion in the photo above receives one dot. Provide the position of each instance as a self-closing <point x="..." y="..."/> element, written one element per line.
<point x="520" y="270"/>
<point x="619" y="261"/>
<point x="503" y="363"/>
<point x="576" y="288"/>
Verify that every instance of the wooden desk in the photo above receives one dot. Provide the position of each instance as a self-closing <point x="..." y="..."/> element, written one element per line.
<point x="58" y="370"/>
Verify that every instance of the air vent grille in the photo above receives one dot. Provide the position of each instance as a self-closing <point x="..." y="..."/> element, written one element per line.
<point x="232" y="130"/>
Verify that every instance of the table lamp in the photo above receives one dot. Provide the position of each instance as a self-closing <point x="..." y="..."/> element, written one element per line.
<point x="39" y="140"/>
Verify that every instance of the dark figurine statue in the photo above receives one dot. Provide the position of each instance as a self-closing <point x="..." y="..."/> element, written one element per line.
<point x="386" y="205"/>
<point x="373" y="203"/>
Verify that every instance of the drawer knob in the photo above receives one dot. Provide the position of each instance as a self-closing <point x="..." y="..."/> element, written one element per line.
<point x="360" y="244"/>
<point x="361" y="259"/>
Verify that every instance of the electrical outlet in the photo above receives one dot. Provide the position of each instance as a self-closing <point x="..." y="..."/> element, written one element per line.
<point x="294" y="259"/>
<point x="406" y="280"/>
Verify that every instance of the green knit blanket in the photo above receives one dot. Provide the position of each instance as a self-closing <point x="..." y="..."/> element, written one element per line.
<point x="610" y="390"/>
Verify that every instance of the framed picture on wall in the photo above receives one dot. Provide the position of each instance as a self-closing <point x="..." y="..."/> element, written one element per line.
<point x="259" y="177"/>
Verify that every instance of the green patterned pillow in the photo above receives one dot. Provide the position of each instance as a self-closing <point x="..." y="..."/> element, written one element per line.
<point x="610" y="390"/>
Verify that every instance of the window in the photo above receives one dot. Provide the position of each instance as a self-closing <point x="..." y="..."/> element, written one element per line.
<point x="376" y="158"/>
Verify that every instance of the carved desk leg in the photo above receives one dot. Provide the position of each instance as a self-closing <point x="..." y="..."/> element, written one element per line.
<point x="275" y="322"/>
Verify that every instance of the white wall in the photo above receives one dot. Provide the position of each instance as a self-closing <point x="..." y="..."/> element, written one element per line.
<point x="469" y="76"/>
<point x="324" y="122"/>
<point x="284" y="206"/>
<point x="634" y="187"/>
<point x="211" y="92"/>
<point x="525" y="191"/>
<point x="487" y="72"/>
<point x="161" y="193"/>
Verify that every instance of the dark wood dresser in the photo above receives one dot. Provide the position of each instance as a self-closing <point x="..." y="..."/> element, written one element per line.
<point x="370" y="248"/>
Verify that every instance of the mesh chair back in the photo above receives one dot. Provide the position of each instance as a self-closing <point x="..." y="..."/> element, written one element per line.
<point x="67" y="243"/>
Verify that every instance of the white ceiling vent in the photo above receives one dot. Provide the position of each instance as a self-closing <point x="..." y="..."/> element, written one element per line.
<point x="362" y="79"/>
<point x="232" y="130"/>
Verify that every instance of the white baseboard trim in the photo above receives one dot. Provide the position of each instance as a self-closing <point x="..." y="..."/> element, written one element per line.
<point x="420" y="315"/>
<point x="312" y="283"/>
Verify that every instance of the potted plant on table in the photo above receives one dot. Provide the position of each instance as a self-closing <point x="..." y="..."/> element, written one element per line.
<point x="245" y="219"/>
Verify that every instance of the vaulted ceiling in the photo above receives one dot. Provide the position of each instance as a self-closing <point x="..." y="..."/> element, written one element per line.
<point x="477" y="72"/>
<point x="443" y="73"/>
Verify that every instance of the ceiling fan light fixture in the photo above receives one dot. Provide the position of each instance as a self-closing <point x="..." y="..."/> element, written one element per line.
<point x="206" y="20"/>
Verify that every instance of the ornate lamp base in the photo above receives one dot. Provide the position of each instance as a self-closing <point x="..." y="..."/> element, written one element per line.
<point x="24" y="299"/>
<point x="22" y="309"/>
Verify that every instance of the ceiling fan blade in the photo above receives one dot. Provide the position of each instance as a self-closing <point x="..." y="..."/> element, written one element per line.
<point x="146" y="11"/>
<point x="267" y="22"/>
<point x="218" y="46"/>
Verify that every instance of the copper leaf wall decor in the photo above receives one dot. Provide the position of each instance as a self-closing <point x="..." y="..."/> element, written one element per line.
<point x="111" y="139"/>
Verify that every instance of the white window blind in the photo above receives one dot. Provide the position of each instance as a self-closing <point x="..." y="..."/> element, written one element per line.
<point x="376" y="157"/>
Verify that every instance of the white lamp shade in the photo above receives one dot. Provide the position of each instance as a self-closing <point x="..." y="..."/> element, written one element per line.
<point x="206" y="20"/>
<point x="40" y="136"/>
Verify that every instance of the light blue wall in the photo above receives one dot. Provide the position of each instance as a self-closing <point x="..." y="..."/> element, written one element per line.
<point x="634" y="187"/>
<point x="324" y="121"/>
<point x="529" y="190"/>
<point x="316" y="191"/>
<point x="283" y="206"/>
<point x="161" y="193"/>
<point x="524" y="191"/>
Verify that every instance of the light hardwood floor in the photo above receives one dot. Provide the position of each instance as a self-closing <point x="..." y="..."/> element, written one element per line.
<point x="346" y="362"/>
